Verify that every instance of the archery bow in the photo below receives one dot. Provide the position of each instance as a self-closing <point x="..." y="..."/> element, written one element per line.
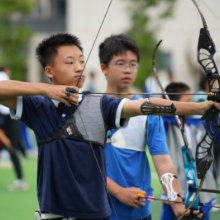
<point x="188" y="160"/>
<point x="205" y="57"/>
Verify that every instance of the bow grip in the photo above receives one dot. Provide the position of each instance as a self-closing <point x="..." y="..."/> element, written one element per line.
<point x="189" y="168"/>
<point x="69" y="90"/>
<point x="204" y="155"/>
<point x="211" y="116"/>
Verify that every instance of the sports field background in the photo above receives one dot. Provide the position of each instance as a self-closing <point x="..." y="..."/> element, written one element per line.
<point x="21" y="205"/>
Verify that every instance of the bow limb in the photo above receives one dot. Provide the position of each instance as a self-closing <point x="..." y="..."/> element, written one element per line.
<point x="188" y="160"/>
<point x="93" y="44"/>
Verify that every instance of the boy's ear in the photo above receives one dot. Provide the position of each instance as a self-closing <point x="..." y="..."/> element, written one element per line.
<point x="48" y="72"/>
<point x="104" y="68"/>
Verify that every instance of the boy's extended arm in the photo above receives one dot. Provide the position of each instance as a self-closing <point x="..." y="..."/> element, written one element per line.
<point x="164" y="107"/>
<point x="10" y="90"/>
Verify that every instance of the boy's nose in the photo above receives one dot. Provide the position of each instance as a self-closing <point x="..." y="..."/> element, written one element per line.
<point x="127" y="69"/>
<point x="79" y="67"/>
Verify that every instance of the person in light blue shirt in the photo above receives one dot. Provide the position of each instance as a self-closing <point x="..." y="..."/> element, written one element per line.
<point x="128" y="168"/>
<point x="127" y="163"/>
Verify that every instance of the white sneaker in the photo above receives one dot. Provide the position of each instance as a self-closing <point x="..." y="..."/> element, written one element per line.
<point x="18" y="185"/>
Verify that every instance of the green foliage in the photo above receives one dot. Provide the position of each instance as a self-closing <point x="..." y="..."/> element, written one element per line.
<point x="141" y="30"/>
<point x="14" y="38"/>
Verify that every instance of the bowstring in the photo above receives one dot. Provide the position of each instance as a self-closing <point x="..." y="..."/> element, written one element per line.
<point x="93" y="44"/>
<point x="147" y="136"/>
<point x="210" y="10"/>
<point x="93" y="152"/>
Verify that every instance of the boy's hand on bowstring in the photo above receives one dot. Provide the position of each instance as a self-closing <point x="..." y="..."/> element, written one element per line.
<point x="65" y="94"/>
<point x="129" y="197"/>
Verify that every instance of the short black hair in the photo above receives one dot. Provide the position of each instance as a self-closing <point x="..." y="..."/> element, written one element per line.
<point x="176" y="87"/>
<point x="117" y="44"/>
<point x="47" y="49"/>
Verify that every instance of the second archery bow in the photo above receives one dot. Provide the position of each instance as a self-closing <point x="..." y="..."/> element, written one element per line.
<point x="205" y="57"/>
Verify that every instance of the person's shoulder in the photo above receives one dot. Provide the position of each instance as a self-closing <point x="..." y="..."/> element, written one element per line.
<point x="106" y="97"/>
<point x="109" y="99"/>
<point x="39" y="98"/>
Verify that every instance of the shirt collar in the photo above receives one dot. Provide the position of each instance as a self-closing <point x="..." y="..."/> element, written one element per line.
<point x="56" y="102"/>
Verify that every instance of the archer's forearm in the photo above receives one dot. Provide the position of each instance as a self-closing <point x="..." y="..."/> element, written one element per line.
<point x="112" y="187"/>
<point x="158" y="106"/>
<point x="164" y="164"/>
<point x="11" y="89"/>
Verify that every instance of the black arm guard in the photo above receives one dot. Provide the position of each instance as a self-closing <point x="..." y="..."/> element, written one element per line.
<point x="148" y="108"/>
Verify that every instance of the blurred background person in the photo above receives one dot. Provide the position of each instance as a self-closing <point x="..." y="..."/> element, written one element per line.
<point x="91" y="85"/>
<point x="12" y="132"/>
<point x="194" y="131"/>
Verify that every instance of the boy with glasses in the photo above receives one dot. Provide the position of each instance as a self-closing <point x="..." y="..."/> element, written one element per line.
<point x="128" y="167"/>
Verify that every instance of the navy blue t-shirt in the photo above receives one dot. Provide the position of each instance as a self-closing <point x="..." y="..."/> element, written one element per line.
<point x="69" y="182"/>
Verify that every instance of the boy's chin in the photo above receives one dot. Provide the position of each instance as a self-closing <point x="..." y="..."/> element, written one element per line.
<point x="77" y="84"/>
<point x="80" y="85"/>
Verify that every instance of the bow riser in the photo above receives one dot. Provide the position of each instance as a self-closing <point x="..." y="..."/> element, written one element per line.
<point x="204" y="155"/>
<point x="189" y="167"/>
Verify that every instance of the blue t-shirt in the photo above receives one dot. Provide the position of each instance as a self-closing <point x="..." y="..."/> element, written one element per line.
<point x="129" y="167"/>
<point x="69" y="182"/>
<point x="190" y="120"/>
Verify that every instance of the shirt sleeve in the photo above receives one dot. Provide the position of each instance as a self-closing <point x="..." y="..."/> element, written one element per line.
<point x="156" y="136"/>
<point x="19" y="108"/>
<point x="112" y="108"/>
<point x="27" y="110"/>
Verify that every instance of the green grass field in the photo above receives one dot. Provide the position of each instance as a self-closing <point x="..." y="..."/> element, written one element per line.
<point x="21" y="205"/>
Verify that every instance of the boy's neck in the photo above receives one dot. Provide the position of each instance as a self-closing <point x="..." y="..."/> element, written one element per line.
<point x="113" y="89"/>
